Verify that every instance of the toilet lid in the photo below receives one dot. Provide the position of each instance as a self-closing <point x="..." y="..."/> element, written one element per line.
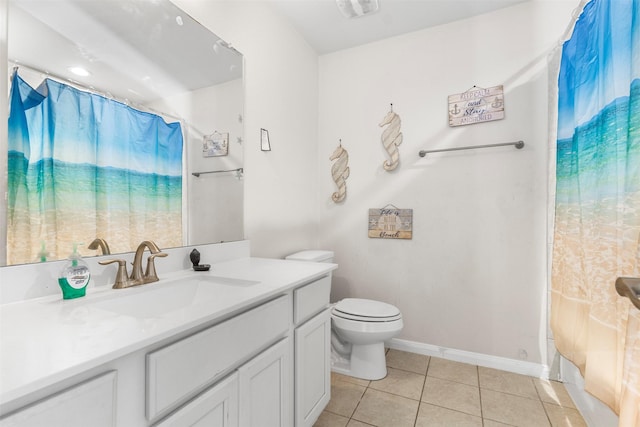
<point x="366" y="308"/>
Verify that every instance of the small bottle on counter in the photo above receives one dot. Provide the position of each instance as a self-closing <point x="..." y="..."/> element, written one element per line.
<point x="75" y="276"/>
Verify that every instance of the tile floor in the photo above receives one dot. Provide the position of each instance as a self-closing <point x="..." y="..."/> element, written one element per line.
<point x="423" y="391"/>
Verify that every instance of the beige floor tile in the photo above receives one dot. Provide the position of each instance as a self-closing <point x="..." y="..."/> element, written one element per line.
<point x="435" y="416"/>
<point x="327" y="419"/>
<point x="453" y="371"/>
<point x="407" y="361"/>
<point x="507" y="382"/>
<point x="452" y="395"/>
<point x="491" y="423"/>
<point x="386" y="410"/>
<point x="346" y="378"/>
<point x="564" y="417"/>
<point x="344" y="398"/>
<point x="402" y="383"/>
<point x="514" y="410"/>
<point x="553" y="392"/>
<point x="356" y="423"/>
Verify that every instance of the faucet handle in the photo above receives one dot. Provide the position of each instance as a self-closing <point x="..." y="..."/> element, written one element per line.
<point x="122" y="277"/>
<point x="150" y="274"/>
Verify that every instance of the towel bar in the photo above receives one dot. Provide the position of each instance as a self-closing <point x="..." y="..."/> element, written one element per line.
<point x="517" y="144"/>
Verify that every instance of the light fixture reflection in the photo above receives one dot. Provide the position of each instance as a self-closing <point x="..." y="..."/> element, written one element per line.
<point x="79" y="71"/>
<point x="356" y="8"/>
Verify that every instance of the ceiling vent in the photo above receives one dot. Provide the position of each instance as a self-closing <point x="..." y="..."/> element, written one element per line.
<point x="356" y="8"/>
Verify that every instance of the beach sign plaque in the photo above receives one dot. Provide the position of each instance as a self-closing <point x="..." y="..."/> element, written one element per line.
<point x="387" y="223"/>
<point x="216" y="144"/>
<point x="476" y="105"/>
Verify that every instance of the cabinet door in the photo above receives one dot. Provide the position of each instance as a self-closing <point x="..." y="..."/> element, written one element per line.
<point x="266" y="388"/>
<point x="216" y="407"/>
<point x="312" y="368"/>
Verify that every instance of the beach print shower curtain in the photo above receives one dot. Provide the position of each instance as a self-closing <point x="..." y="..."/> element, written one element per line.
<point x="83" y="166"/>
<point x="597" y="218"/>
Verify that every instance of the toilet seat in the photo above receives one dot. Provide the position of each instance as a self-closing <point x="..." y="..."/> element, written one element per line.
<point x="365" y="310"/>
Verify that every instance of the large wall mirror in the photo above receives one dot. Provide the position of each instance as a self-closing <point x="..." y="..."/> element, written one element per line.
<point x="150" y="56"/>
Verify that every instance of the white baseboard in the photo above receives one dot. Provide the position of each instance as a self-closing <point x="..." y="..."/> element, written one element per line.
<point x="504" y="364"/>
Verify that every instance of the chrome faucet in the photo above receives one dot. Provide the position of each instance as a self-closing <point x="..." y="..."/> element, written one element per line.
<point x="102" y="244"/>
<point x="123" y="280"/>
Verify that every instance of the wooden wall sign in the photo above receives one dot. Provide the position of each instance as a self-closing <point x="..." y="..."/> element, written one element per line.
<point x="476" y="105"/>
<point x="389" y="223"/>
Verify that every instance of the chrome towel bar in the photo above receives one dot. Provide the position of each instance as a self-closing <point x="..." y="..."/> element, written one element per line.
<point x="517" y="144"/>
<point x="239" y="170"/>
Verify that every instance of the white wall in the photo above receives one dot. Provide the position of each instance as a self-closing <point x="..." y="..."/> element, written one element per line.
<point x="281" y="75"/>
<point x="474" y="275"/>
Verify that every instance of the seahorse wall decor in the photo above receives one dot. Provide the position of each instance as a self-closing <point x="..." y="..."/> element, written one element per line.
<point x="340" y="172"/>
<point x="391" y="138"/>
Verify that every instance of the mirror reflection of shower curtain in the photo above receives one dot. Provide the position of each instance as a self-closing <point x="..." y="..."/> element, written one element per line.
<point x="83" y="166"/>
<point x="597" y="213"/>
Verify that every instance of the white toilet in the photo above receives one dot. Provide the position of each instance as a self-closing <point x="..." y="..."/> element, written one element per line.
<point x="359" y="328"/>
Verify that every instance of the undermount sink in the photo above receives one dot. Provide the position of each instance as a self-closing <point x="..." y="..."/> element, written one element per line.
<point x="161" y="298"/>
<point x="227" y="281"/>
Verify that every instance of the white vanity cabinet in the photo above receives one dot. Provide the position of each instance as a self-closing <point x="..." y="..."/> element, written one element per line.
<point x="258" y="394"/>
<point x="276" y="388"/>
<point x="260" y="357"/>
<point x="181" y="370"/>
<point x="312" y="350"/>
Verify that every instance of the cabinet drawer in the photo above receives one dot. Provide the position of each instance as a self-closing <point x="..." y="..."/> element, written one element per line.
<point x="91" y="403"/>
<point x="181" y="370"/>
<point x="311" y="299"/>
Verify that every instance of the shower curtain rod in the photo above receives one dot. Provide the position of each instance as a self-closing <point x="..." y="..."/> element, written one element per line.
<point x="517" y="144"/>
<point x="93" y="90"/>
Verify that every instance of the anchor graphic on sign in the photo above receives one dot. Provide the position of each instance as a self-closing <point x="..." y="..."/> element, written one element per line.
<point x="455" y="110"/>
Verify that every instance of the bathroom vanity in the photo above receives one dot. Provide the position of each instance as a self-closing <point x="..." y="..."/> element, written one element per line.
<point x="245" y="344"/>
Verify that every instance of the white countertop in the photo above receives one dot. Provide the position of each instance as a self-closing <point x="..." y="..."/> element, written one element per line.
<point x="47" y="340"/>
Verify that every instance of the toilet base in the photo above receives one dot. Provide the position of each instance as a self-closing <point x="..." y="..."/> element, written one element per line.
<point x="366" y="362"/>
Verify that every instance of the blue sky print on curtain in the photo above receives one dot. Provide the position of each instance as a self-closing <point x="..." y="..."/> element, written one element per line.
<point x="83" y="166"/>
<point x="597" y="222"/>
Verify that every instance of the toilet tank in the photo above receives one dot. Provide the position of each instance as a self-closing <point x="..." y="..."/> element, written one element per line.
<point x="312" y="255"/>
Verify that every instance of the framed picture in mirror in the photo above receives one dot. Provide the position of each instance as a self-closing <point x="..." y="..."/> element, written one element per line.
<point x="265" y="144"/>
<point x="216" y="144"/>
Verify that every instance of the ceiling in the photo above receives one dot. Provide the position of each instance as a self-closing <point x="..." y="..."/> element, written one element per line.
<point x="138" y="44"/>
<point x="327" y="30"/>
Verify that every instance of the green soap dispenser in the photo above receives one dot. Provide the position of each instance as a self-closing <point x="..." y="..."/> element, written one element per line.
<point x="75" y="276"/>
